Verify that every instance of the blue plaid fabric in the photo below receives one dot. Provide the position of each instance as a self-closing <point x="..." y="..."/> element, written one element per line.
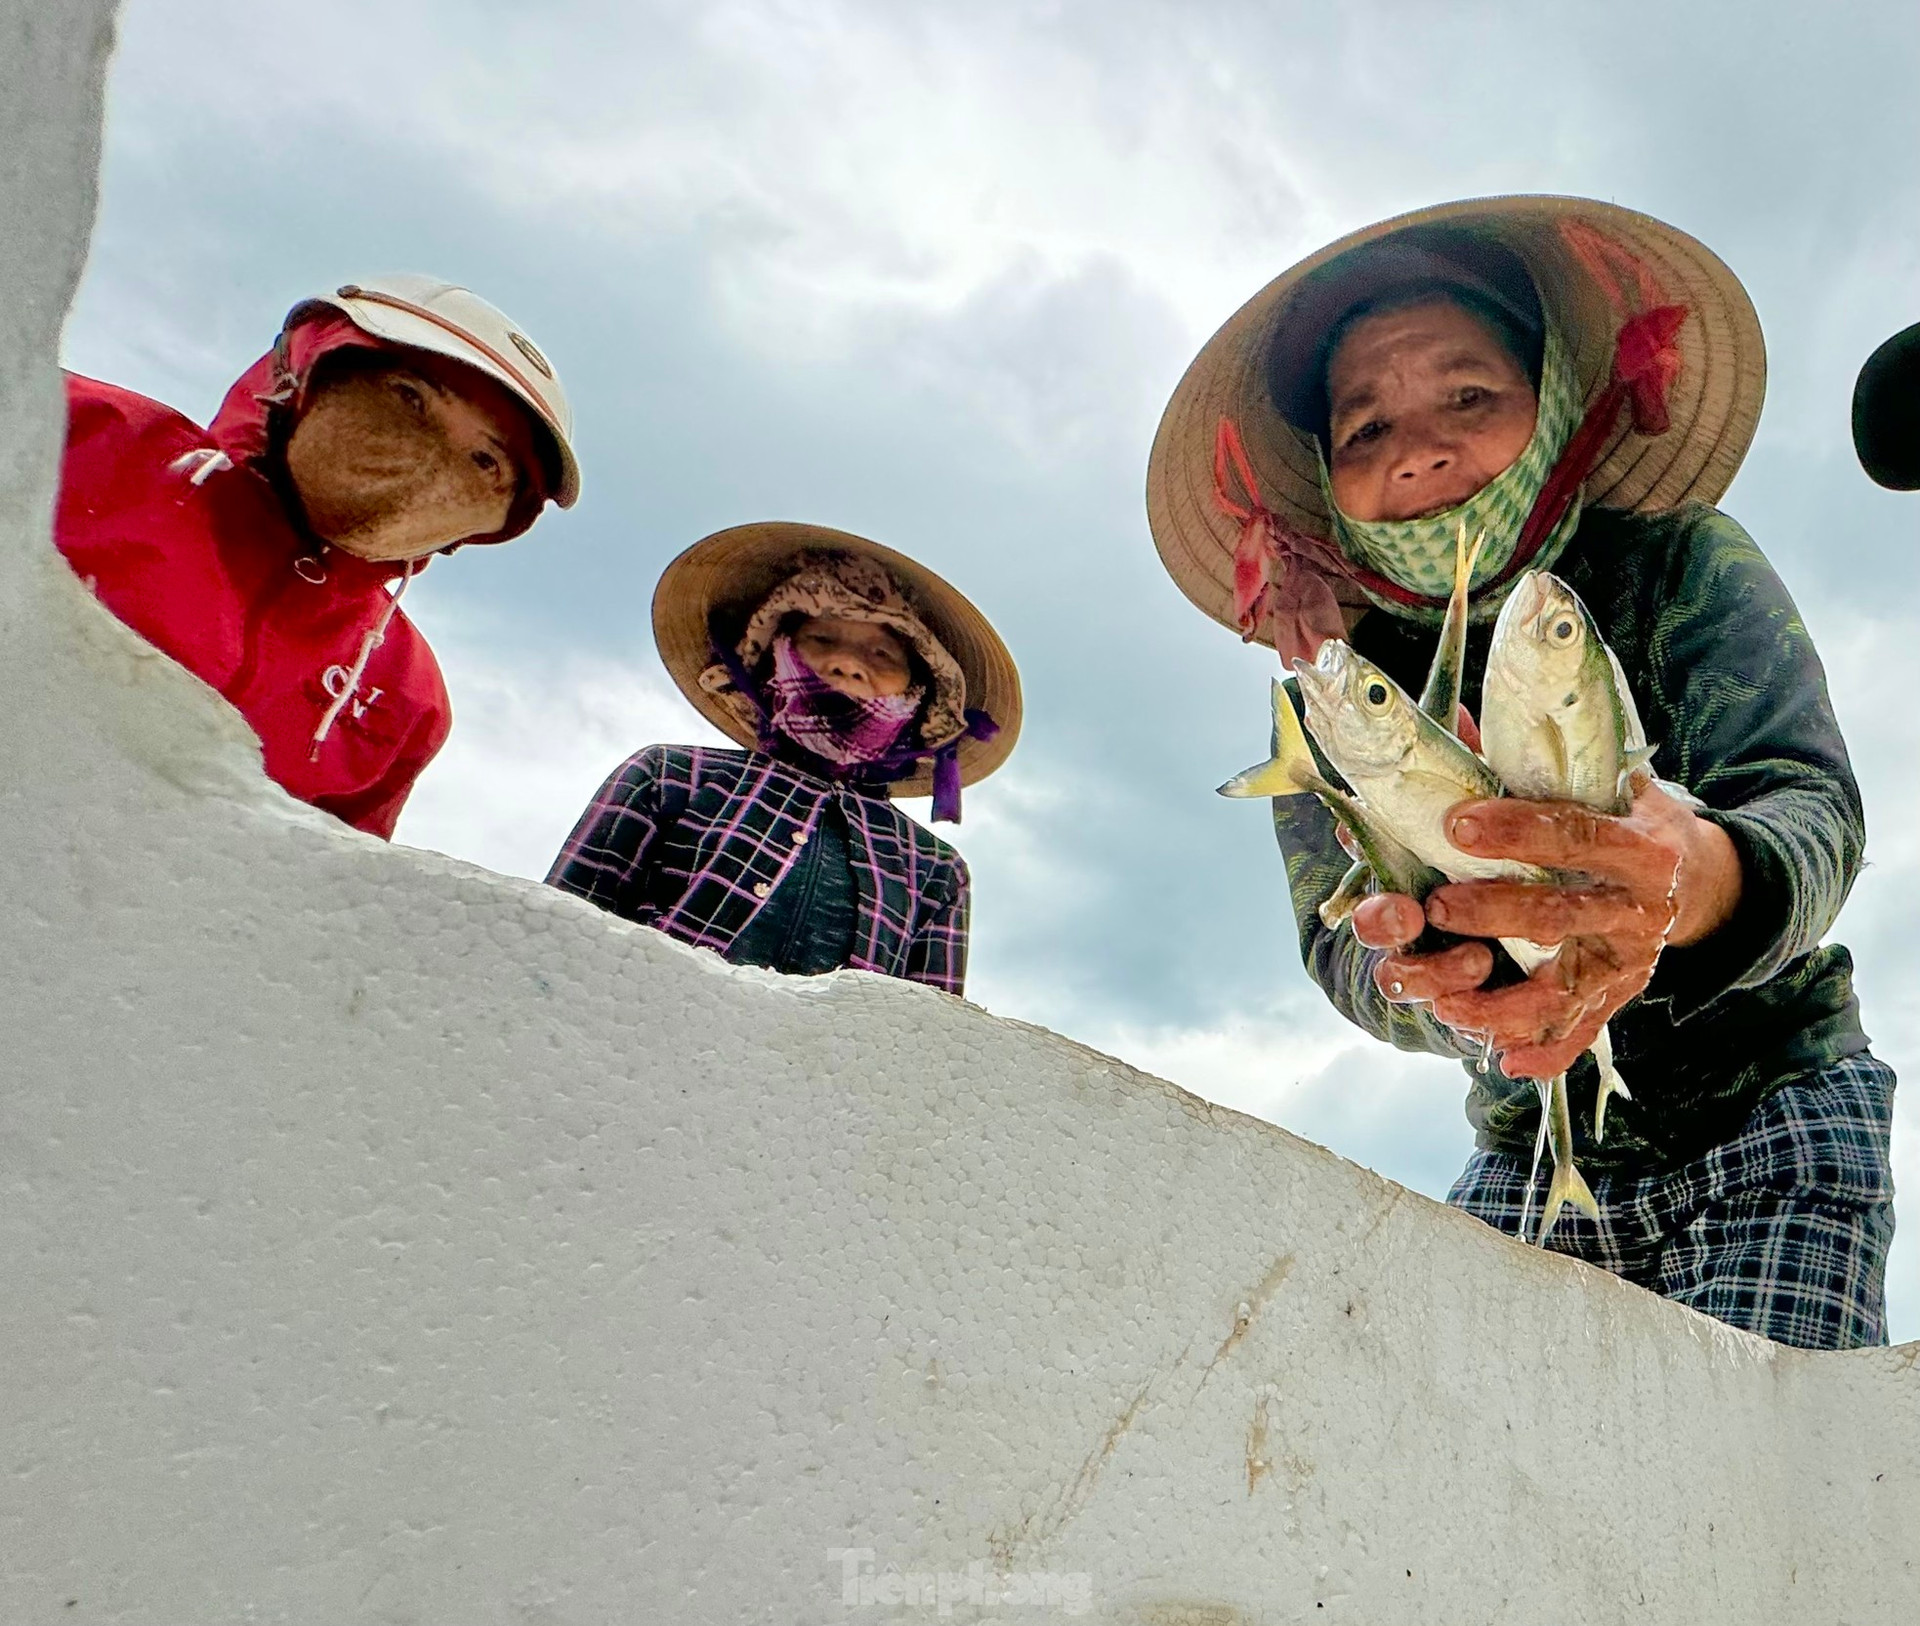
<point x="1782" y="1230"/>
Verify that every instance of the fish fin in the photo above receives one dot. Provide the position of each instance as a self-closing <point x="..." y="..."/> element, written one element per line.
<point x="1569" y="1186"/>
<point x="1291" y="770"/>
<point x="1679" y="793"/>
<point x="1440" y="699"/>
<point x="1556" y="738"/>
<point x="1636" y="773"/>
<point x="1341" y="902"/>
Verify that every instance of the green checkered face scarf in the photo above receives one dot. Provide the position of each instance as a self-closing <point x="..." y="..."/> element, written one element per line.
<point x="1418" y="553"/>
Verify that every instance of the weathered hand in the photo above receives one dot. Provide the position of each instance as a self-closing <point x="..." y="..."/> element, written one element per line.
<point x="1655" y="876"/>
<point x="1392" y="920"/>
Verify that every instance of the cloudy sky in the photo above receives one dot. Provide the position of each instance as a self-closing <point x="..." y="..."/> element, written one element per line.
<point x="929" y="272"/>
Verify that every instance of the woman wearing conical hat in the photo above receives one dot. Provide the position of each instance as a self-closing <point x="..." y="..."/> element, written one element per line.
<point x="848" y="674"/>
<point x="1579" y="382"/>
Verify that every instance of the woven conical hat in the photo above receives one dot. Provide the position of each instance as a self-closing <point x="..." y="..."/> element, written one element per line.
<point x="1714" y="404"/>
<point x="718" y="583"/>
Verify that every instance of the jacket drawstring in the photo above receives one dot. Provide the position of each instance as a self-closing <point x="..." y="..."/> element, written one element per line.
<point x="200" y="464"/>
<point x="376" y="635"/>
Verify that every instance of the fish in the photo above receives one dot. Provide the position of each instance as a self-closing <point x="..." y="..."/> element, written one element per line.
<point x="1291" y="770"/>
<point x="1560" y="724"/>
<point x="1407" y="768"/>
<point x="1383" y="864"/>
<point x="1410" y="773"/>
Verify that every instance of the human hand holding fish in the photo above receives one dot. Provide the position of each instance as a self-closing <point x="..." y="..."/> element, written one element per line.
<point x="1602" y="864"/>
<point x="1544" y="831"/>
<point x="1657" y="876"/>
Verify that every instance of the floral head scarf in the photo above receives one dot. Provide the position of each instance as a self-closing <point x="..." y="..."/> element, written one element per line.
<point x="849" y="588"/>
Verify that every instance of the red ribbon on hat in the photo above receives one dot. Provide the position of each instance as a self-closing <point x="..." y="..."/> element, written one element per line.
<point x="1281" y="576"/>
<point x="1646" y="363"/>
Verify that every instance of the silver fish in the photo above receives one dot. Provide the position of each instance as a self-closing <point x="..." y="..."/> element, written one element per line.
<point x="1406" y="768"/>
<point x="1384" y="864"/>
<point x="1409" y="773"/>
<point x="1291" y="771"/>
<point x="1559" y="723"/>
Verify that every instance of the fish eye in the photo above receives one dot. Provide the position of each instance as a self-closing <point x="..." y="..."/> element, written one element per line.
<point x="1375" y="694"/>
<point x="1563" y="630"/>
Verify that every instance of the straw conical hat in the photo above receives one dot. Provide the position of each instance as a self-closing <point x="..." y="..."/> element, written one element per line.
<point x="1555" y="243"/>
<point x="712" y="589"/>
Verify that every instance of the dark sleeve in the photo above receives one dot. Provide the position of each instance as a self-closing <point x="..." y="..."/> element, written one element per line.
<point x="1742" y="719"/>
<point x="938" y="953"/>
<point x="605" y="859"/>
<point x="1336" y="959"/>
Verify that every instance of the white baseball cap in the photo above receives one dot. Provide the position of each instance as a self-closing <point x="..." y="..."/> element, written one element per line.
<point x="448" y="320"/>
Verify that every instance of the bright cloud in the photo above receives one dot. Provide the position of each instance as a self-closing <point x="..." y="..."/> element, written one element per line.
<point x="930" y="271"/>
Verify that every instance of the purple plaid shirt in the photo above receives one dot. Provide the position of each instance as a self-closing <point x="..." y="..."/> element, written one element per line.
<point x="693" y="841"/>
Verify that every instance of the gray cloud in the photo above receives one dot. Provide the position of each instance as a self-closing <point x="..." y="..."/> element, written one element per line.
<point x="929" y="272"/>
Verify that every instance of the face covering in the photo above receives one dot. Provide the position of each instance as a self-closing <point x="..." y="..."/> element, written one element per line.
<point x="1418" y="553"/>
<point x="839" y="728"/>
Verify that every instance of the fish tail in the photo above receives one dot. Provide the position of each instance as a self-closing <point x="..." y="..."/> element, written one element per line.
<point x="1569" y="1186"/>
<point x="1291" y="769"/>
<point x="1611" y="1083"/>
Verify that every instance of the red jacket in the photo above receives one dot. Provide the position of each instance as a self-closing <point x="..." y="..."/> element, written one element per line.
<point x="198" y="555"/>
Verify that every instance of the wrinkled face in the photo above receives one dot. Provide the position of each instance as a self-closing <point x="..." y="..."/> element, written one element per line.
<point x="1363" y="720"/>
<point x="1426" y="406"/>
<point x="856" y="657"/>
<point x="398" y="460"/>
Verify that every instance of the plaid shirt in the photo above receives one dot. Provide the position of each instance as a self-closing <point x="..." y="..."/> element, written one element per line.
<point x="1783" y="1229"/>
<point x="693" y="841"/>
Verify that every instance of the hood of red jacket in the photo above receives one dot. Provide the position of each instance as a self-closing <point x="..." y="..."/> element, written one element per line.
<point x="268" y="398"/>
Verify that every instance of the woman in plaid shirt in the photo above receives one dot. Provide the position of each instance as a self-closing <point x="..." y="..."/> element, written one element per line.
<point x="850" y="673"/>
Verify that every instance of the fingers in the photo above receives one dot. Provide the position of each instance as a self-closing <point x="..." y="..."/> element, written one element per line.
<point x="1406" y="978"/>
<point x="1546" y="1061"/>
<point x="1567" y="836"/>
<point x="1540" y="1026"/>
<point x="1527" y="1021"/>
<point x="1467" y="730"/>
<point x="1389" y="920"/>
<point x="1542" y="913"/>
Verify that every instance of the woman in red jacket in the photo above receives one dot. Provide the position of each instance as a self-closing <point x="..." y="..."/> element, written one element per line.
<point x="390" y="422"/>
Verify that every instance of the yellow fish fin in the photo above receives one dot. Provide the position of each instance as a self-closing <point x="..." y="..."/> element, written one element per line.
<point x="1291" y="770"/>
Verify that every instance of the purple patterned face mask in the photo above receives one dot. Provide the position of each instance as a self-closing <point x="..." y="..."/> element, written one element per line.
<point x="840" y="728"/>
